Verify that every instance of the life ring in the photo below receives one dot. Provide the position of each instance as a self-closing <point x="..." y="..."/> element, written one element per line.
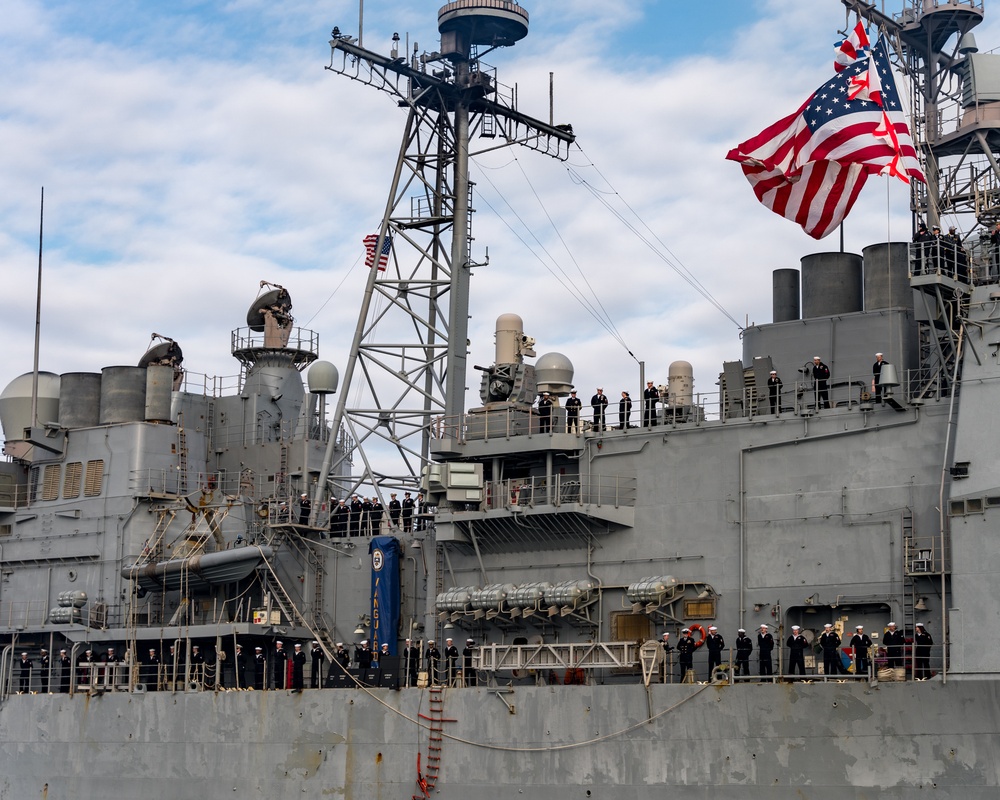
<point x="700" y="630"/>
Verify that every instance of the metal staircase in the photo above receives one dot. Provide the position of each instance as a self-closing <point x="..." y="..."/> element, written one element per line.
<point x="281" y="598"/>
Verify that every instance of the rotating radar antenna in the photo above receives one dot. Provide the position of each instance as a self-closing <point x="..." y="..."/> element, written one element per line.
<point x="410" y="388"/>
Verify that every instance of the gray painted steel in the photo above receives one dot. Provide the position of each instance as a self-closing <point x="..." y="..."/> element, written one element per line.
<point x="832" y="283"/>
<point x="785" y="288"/>
<point x="79" y="399"/>
<point x="887" y="282"/>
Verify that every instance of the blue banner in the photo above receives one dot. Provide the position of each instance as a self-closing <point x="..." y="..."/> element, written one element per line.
<point x="385" y="552"/>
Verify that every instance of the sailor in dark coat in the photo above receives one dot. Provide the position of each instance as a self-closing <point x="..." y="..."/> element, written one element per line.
<point x="624" y="411"/>
<point x="240" y="668"/>
<point x="765" y="646"/>
<point x="151" y="670"/>
<point x="411" y="662"/>
<point x="298" y="668"/>
<point x="363" y="655"/>
<point x="357" y="512"/>
<point x="877" y="377"/>
<point x="46" y="670"/>
<point x="25" y="665"/>
<point x="316" y="665"/>
<point x="433" y="662"/>
<point x="545" y="413"/>
<point x="573" y="406"/>
<point x="774" y="391"/>
<point x="468" y="673"/>
<point x="342" y="657"/>
<point x="744" y="647"/>
<point x="715" y="644"/>
<point x="451" y="653"/>
<point x="377" y="511"/>
<point x="894" y="641"/>
<point x="650" y="397"/>
<point x="366" y="517"/>
<point x="797" y="645"/>
<point x="65" y="671"/>
<point x="259" y="668"/>
<point x="821" y="378"/>
<point x="280" y="665"/>
<point x="922" y="641"/>
<point x="599" y="403"/>
<point x="685" y="651"/>
<point x="861" y="644"/>
<point x="830" y="642"/>
<point x="197" y="664"/>
<point x="407" y="514"/>
<point x="395" y="509"/>
<point x="305" y="506"/>
<point x="340" y="520"/>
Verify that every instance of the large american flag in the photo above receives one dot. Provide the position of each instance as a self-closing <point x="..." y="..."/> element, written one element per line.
<point x="810" y="166"/>
<point x="371" y="242"/>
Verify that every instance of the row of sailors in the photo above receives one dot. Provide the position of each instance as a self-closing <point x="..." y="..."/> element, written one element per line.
<point x="363" y="517"/>
<point x="830" y="642"/>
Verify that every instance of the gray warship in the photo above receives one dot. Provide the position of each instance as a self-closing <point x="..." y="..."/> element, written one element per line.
<point x="158" y="528"/>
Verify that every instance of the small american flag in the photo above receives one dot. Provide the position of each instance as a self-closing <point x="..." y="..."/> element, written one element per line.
<point x="810" y="166"/>
<point x="371" y="242"/>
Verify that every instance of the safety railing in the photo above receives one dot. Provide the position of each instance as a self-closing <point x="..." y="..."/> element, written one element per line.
<point x="613" y="490"/>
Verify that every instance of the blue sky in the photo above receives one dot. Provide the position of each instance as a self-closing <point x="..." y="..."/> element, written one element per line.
<point x="191" y="149"/>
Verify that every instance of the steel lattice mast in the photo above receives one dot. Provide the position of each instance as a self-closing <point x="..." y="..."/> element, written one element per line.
<point x="408" y="359"/>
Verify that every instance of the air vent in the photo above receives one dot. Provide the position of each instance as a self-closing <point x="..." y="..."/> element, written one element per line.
<point x="960" y="470"/>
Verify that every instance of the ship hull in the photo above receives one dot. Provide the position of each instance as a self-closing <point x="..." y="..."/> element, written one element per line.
<point x="830" y="740"/>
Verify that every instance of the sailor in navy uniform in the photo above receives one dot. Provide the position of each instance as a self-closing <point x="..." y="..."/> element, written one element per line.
<point x="545" y="413"/>
<point x="45" y="665"/>
<point x="298" y="668"/>
<point x="821" y="377"/>
<point x="394" y="510"/>
<point x="877" y="377"/>
<point x="744" y="647"/>
<point x="317" y="665"/>
<point x="377" y="512"/>
<point x="340" y="520"/>
<point x="363" y="655"/>
<point x="922" y="641"/>
<point x="342" y="657"/>
<point x="197" y="664"/>
<point x="357" y="512"/>
<point x="468" y="673"/>
<point x="830" y="642"/>
<point x="280" y="665"/>
<point x="65" y="671"/>
<point x="861" y="644"/>
<point x="650" y="397"/>
<point x="407" y="513"/>
<point x="25" y="665"/>
<point x="715" y="644"/>
<point x="685" y="650"/>
<point x="411" y="662"/>
<point x="797" y="645"/>
<point x="765" y="645"/>
<point x="599" y="402"/>
<point x="573" y="406"/>
<point x="451" y="653"/>
<point x="259" y="668"/>
<point x="774" y="391"/>
<point x="305" y="506"/>
<point x="366" y="516"/>
<point x="894" y="641"/>
<point x="433" y="660"/>
<point x="240" y="668"/>
<point x="151" y="671"/>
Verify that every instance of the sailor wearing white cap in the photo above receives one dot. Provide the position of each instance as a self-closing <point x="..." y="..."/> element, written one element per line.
<point x="714" y="642"/>
<point x="304" y="508"/>
<point x="774" y="391"/>
<point x="298" y="669"/>
<point x="316" y="665"/>
<point x="433" y="662"/>
<point x="894" y="642"/>
<point x="259" y="664"/>
<point x="877" y="377"/>
<point x="922" y="642"/>
<point x="830" y="642"/>
<point x="469" y="676"/>
<point x="797" y="645"/>
<point x="821" y="378"/>
<point x="765" y="646"/>
<point x="861" y="645"/>
<point x="744" y="647"/>
<point x="685" y="650"/>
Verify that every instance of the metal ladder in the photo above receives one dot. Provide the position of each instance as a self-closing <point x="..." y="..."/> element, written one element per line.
<point x="435" y="740"/>
<point x="287" y="606"/>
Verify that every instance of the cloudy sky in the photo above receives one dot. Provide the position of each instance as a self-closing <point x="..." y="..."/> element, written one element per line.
<point x="191" y="149"/>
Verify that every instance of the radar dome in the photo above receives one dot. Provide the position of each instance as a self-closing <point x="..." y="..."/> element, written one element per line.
<point x="15" y="404"/>
<point x="323" y="378"/>
<point x="554" y="373"/>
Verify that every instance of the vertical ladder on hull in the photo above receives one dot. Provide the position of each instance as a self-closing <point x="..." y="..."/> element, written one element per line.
<point x="906" y="526"/>
<point x="182" y="458"/>
<point x="435" y="740"/>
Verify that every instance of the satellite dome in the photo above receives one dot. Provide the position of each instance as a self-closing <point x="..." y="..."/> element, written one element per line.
<point x="15" y="403"/>
<point x="323" y="378"/>
<point x="554" y="373"/>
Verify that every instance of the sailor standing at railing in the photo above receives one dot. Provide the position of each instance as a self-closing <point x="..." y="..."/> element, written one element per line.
<point x="744" y="647"/>
<point x="715" y="644"/>
<point x="923" y="641"/>
<point x="573" y="406"/>
<point x="25" y="665"/>
<point x="765" y="646"/>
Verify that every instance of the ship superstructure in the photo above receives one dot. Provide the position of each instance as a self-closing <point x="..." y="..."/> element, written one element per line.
<point x="148" y="510"/>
